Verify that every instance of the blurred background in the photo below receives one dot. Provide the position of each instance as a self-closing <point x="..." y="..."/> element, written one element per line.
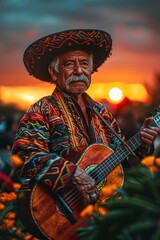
<point x="128" y="83"/>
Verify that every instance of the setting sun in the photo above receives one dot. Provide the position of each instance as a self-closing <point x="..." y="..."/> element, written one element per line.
<point x="115" y="94"/>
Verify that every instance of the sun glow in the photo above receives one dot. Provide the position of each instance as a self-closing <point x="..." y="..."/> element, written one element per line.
<point x="116" y="94"/>
<point x="23" y="96"/>
<point x="136" y="92"/>
<point x="113" y="92"/>
<point x="28" y="98"/>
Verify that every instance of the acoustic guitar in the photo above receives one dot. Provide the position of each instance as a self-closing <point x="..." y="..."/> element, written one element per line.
<point x="57" y="217"/>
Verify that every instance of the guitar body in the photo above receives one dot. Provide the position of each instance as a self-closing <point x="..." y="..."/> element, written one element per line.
<point x="37" y="208"/>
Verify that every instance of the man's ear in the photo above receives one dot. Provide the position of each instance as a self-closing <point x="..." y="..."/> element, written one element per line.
<point x="52" y="73"/>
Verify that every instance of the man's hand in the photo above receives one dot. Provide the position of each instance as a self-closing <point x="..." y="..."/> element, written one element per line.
<point x="148" y="134"/>
<point x="86" y="186"/>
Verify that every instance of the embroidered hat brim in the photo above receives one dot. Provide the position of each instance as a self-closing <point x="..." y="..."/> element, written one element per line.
<point x="39" y="54"/>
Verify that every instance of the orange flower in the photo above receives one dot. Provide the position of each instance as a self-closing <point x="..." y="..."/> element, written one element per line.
<point x="6" y="197"/>
<point x="151" y="163"/>
<point x="8" y="223"/>
<point x="18" y="232"/>
<point x="87" y="211"/>
<point x="148" y="161"/>
<point x="16" y="161"/>
<point x="28" y="237"/>
<point x="16" y="186"/>
<point x="11" y="215"/>
<point x="102" y="211"/>
<point x="2" y="206"/>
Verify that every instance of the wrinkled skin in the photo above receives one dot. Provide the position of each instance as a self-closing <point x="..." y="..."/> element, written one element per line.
<point x="148" y="135"/>
<point x="85" y="185"/>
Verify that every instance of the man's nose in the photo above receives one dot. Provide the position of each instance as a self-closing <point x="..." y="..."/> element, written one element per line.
<point x="78" y="69"/>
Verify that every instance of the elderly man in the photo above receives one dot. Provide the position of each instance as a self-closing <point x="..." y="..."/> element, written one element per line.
<point x="56" y="129"/>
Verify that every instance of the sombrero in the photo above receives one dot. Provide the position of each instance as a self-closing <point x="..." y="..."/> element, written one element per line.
<point x="39" y="54"/>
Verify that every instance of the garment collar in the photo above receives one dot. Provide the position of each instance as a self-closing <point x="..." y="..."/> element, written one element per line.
<point x="89" y="101"/>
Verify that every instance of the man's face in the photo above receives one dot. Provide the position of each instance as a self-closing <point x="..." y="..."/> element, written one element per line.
<point x="74" y="75"/>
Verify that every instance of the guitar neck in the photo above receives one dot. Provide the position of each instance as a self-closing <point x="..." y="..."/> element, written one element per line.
<point x="115" y="159"/>
<point x="120" y="154"/>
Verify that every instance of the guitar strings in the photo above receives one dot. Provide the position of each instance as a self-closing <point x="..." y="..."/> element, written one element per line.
<point x="74" y="196"/>
<point x="72" y="199"/>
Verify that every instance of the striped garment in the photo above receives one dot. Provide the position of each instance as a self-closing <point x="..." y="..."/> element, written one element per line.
<point x="53" y="132"/>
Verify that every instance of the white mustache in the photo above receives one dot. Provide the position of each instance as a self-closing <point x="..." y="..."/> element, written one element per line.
<point x="76" y="79"/>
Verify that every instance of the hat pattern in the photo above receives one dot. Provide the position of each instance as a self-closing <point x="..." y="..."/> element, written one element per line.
<point x="38" y="55"/>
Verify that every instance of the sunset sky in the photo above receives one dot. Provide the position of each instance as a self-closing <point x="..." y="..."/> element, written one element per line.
<point x="133" y="25"/>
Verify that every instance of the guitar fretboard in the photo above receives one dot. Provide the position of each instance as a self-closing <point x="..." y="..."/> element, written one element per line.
<point x="120" y="154"/>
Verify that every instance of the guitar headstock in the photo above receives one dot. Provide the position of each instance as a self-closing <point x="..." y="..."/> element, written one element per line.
<point x="156" y="118"/>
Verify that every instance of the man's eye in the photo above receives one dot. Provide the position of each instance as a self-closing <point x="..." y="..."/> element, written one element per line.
<point x="84" y="63"/>
<point x="68" y="64"/>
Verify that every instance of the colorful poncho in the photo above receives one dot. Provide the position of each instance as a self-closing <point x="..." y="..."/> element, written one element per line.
<point x="53" y="132"/>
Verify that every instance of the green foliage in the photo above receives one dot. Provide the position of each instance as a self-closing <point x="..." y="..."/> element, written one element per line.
<point x="133" y="216"/>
